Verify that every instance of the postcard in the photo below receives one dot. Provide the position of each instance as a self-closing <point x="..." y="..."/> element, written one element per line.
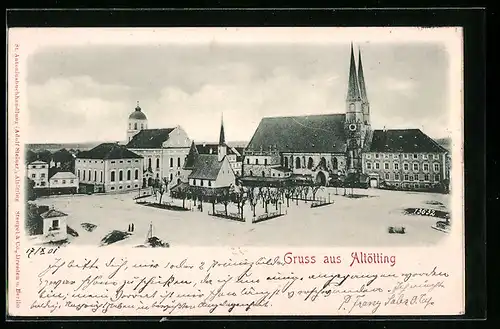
<point x="235" y="171"/>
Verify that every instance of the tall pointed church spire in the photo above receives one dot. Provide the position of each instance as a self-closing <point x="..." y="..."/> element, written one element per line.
<point x="353" y="87"/>
<point x="361" y="79"/>
<point x="191" y="157"/>
<point x="222" y="137"/>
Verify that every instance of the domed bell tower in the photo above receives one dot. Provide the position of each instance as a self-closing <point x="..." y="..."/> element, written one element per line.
<point x="356" y="122"/>
<point x="137" y="121"/>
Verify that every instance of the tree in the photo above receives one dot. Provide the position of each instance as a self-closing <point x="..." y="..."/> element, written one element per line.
<point x="226" y="194"/>
<point x="314" y="190"/>
<point x="265" y="195"/>
<point x="274" y="196"/>
<point x="160" y="187"/>
<point x="289" y="192"/>
<point x="30" y="190"/>
<point x="44" y="155"/>
<point x="241" y="196"/>
<point x="30" y="156"/>
<point x="253" y="196"/>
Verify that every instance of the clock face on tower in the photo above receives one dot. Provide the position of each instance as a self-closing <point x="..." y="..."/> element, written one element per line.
<point x="352" y="127"/>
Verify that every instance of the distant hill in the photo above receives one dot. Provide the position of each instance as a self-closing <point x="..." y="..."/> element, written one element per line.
<point x="57" y="146"/>
<point x="444" y="142"/>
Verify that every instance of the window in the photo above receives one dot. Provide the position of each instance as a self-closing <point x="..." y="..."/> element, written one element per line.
<point x="406" y="166"/>
<point x="128" y="186"/>
<point x="396" y="166"/>
<point x="136" y="185"/>
<point x="395" y="156"/>
<point x="33" y="175"/>
<point x="310" y="163"/>
<point x="436" y="167"/>
<point x="55" y="224"/>
<point x="178" y="162"/>
<point x="411" y="178"/>
<point x="209" y="183"/>
<point x="101" y="176"/>
<point x="42" y="175"/>
<point x="130" y="126"/>
<point x="135" y="126"/>
<point x="396" y="176"/>
<point x="368" y="165"/>
<point x="149" y="163"/>
<point x="256" y="161"/>
<point x="265" y="162"/>
<point x="415" y="177"/>
<point x="377" y="155"/>
<point x="42" y="183"/>
<point x="425" y="166"/>
<point x="112" y="187"/>
<point x="415" y="167"/>
<point x="406" y="177"/>
<point x="158" y="163"/>
<point x="111" y="161"/>
<point x="95" y="175"/>
<point x="263" y="174"/>
<point x="377" y="165"/>
<point x="436" y="177"/>
<point x="248" y="160"/>
<point x="386" y="166"/>
<point x="415" y="156"/>
<point x="405" y="156"/>
<point x="42" y="167"/>
<point x="435" y="156"/>
<point x="171" y="177"/>
<point x="368" y="156"/>
<point x="171" y="162"/>
<point x="387" y="176"/>
<point x="129" y="174"/>
<point x="120" y="187"/>
<point x="425" y="156"/>
<point x="335" y="164"/>
<point x="286" y="162"/>
<point x="78" y="173"/>
<point x="142" y="125"/>
<point x="426" y="177"/>
<point x="83" y="175"/>
<point x="136" y="176"/>
<point x="201" y="182"/>
<point x="72" y="181"/>
<point x="120" y="175"/>
<point x="112" y="175"/>
<point x="386" y="156"/>
<point x="56" y="181"/>
<point x="64" y="181"/>
<point x="90" y="175"/>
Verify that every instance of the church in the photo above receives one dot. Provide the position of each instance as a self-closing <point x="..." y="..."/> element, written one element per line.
<point x="320" y="147"/>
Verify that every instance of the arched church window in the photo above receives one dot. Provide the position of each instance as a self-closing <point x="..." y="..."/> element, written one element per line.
<point x="310" y="163"/>
<point x="286" y="162"/>
<point x="297" y="162"/>
<point x="135" y="126"/>
<point x="291" y="160"/>
<point x="149" y="163"/>
<point x="303" y="162"/>
<point x="335" y="163"/>
<point x="322" y="162"/>
<point x="157" y="163"/>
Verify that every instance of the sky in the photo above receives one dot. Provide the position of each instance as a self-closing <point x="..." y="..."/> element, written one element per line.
<point x="86" y="93"/>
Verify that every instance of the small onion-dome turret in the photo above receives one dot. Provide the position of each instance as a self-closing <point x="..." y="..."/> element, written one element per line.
<point x="138" y="114"/>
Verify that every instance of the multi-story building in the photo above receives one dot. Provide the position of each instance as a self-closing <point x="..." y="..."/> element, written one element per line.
<point x="405" y="158"/>
<point x="163" y="150"/>
<point x="109" y="167"/>
<point x="38" y="172"/>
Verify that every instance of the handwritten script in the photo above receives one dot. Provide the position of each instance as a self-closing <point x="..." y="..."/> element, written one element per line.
<point x="117" y="285"/>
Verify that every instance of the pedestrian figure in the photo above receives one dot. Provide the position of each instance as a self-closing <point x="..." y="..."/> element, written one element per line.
<point x="132" y="227"/>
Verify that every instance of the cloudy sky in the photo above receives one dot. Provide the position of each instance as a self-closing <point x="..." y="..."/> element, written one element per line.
<point x="86" y="93"/>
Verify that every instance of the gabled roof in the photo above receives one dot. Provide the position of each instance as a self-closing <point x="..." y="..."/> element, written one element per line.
<point x="108" y="151"/>
<point x="309" y="133"/>
<point x="150" y="138"/>
<point x="206" y="166"/>
<point x="52" y="213"/>
<point x="403" y="141"/>
<point x="37" y="162"/>
<point x="191" y="157"/>
<point x="63" y="175"/>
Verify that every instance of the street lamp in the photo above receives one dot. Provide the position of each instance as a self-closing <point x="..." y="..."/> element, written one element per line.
<point x="279" y="202"/>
